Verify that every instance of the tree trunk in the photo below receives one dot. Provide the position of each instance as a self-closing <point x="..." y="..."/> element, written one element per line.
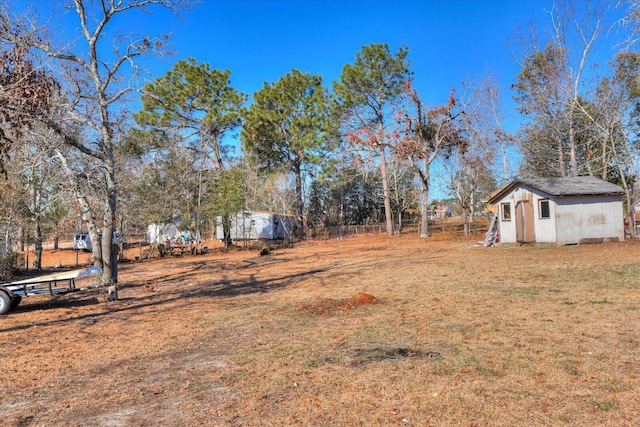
<point x="424" y="211"/>
<point x="20" y="239"/>
<point x="96" y="248"/>
<point x="560" y="153"/>
<point x="630" y="214"/>
<point x="385" y="191"/>
<point x="424" y="199"/>
<point x="37" y="253"/>
<point x="630" y="205"/>
<point x="504" y="161"/>
<point x="26" y="253"/>
<point x="109" y="258"/>
<point x="572" y="140"/>
<point x="465" y="221"/>
<point x="226" y="231"/>
<point x="299" y="202"/>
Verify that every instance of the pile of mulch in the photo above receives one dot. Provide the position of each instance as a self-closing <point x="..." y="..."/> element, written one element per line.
<point x="330" y="306"/>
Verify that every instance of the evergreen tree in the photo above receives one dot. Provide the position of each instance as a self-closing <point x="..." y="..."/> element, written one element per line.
<point x="289" y="125"/>
<point x="368" y="91"/>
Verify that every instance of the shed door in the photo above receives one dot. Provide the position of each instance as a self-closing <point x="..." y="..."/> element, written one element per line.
<point x="525" y="222"/>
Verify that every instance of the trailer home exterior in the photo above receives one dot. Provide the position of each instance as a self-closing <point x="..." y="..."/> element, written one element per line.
<point x="560" y="211"/>
<point x="251" y="225"/>
<point x="160" y="232"/>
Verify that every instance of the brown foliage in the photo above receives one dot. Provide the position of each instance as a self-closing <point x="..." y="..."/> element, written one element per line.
<point x="25" y="95"/>
<point x="429" y="131"/>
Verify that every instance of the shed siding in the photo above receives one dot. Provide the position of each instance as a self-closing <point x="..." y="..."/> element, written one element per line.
<point x="158" y="233"/>
<point x="572" y="218"/>
<point x="257" y="225"/>
<point x="507" y="228"/>
<point x="589" y="217"/>
<point x="545" y="229"/>
<point x="248" y="226"/>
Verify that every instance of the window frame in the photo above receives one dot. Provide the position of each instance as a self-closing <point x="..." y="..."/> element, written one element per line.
<point x="505" y="214"/>
<point x="540" y="209"/>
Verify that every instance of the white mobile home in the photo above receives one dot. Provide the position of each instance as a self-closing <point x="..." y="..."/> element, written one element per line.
<point x="251" y="225"/>
<point x="560" y="211"/>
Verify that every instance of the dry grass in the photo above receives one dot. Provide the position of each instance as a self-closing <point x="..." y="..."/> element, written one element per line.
<point x="448" y="334"/>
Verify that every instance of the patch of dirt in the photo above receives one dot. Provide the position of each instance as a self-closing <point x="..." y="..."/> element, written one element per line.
<point x="329" y="306"/>
<point x="362" y="356"/>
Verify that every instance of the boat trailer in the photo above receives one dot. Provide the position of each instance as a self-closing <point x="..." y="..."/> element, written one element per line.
<point x="11" y="293"/>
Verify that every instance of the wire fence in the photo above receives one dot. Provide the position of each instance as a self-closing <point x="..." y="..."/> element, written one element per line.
<point x="446" y="225"/>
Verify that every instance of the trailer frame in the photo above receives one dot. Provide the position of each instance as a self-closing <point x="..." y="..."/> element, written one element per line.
<point x="11" y="293"/>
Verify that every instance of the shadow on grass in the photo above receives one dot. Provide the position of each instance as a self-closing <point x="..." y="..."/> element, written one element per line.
<point x="175" y="287"/>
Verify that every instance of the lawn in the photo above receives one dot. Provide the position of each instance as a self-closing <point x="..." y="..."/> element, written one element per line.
<point x="362" y="331"/>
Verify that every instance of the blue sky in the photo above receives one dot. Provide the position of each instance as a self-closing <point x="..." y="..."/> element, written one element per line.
<point x="448" y="41"/>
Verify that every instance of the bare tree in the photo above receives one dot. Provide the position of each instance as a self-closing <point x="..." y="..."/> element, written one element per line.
<point x="95" y="81"/>
<point x="631" y="22"/>
<point x="614" y="110"/>
<point x="551" y="81"/>
<point x="491" y="118"/>
<point x="401" y="186"/>
<point x="427" y="134"/>
<point x="41" y="181"/>
<point x="467" y="174"/>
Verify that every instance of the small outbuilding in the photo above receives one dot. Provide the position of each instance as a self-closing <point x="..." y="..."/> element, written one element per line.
<point x="636" y="217"/>
<point x="560" y="211"/>
<point x="252" y="225"/>
<point x="161" y="232"/>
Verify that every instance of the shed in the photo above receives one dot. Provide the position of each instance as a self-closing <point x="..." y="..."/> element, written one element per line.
<point x="252" y="225"/>
<point x="441" y="211"/>
<point x="636" y="217"/>
<point x="161" y="232"/>
<point x="559" y="211"/>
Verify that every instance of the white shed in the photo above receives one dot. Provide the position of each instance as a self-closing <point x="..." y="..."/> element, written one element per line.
<point x="159" y="233"/>
<point x="251" y="225"/>
<point x="560" y="211"/>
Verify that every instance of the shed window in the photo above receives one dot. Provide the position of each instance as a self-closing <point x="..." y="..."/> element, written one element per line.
<point x="544" y="209"/>
<point x="506" y="211"/>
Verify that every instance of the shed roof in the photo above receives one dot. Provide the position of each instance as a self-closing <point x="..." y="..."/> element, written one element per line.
<point x="560" y="187"/>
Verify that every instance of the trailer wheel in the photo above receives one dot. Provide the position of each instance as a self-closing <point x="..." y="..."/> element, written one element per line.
<point x="15" y="301"/>
<point x="5" y="302"/>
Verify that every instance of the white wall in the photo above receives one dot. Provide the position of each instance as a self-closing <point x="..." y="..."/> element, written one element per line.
<point x="572" y="219"/>
<point x="508" y="228"/>
<point x="546" y="228"/>
<point x="249" y="226"/>
<point x="257" y="225"/>
<point x="157" y="233"/>
<point x="594" y="217"/>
